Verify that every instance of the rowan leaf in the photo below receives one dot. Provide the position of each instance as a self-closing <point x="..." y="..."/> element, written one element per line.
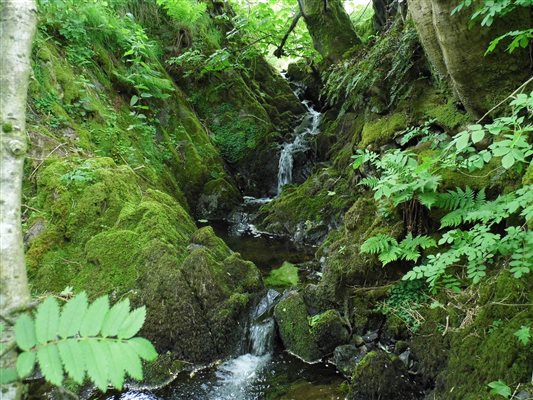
<point x="72" y="315"/>
<point x="115" y="318"/>
<point x="144" y="348"/>
<point x="96" y="356"/>
<point x="132" y="324"/>
<point x="47" y="320"/>
<point x="50" y="364"/>
<point x="94" y="318"/>
<point x="72" y="355"/>
<point x="117" y="367"/>
<point x="132" y="362"/>
<point x="25" y="332"/>
<point x="25" y="363"/>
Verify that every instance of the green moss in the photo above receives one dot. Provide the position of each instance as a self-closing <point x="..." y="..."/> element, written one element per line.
<point x="427" y="103"/>
<point x="381" y="375"/>
<point x="292" y="318"/>
<point x="328" y="330"/>
<point x="7" y="127"/>
<point x="382" y="130"/>
<point x="286" y="275"/>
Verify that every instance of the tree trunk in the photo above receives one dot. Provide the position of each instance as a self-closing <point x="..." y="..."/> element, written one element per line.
<point x="457" y="52"/>
<point x="18" y="19"/>
<point x="330" y="27"/>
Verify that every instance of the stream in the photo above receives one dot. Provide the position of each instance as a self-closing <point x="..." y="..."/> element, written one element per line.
<point x="263" y="370"/>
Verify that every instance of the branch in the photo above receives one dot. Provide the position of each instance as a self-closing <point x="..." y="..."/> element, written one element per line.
<point x="279" y="51"/>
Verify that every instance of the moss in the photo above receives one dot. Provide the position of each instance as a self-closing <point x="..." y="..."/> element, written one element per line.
<point x="312" y="206"/>
<point x="381" y="375"/>
<point x="7" y="127"/>
<point x="528" y="176"/>
<point x="286" y="275"/>
<point x="219" y="197"/>
<point x="427" y="103"/>
<point x="292" y="318"/>
<point x="382" y="130"/>
<point x="329" y="331"/>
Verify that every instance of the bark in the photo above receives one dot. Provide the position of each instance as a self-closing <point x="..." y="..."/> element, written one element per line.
<point x="330" y="27"/>
<point x="18" y="20"/>
<point x="457" y="52"/>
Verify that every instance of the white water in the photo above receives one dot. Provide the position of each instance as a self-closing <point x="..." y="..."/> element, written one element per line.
<point x="308" y="127"/>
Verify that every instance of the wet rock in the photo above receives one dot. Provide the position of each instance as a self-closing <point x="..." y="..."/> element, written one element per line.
<point x="346" y="358"/>
<point x="266" y="304"/>
<point x="400" y="346"/>
<point x="381" y="376"/>
<point x="405" y="357"/>
<point x="370" y="337"/>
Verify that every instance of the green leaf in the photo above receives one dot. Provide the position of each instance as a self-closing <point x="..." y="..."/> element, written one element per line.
<point x="132" y="362"/>
<point x="8" y="375"/>
<point x="462" y="141"/>
<point x="477" y="136"/>
<point x="144" y="348"/>
<point x="132" y="324"/>
<point x="500" y="388"/>
<point x="94" y="318"/>
<point x="72" y="315"/>
<point x="134" y="100"/>
<point x="47" y="320"/>
<point x="25" y="332"/>
<point x="523" y="334"/>
<point x="50" y="364"/>
<point x="117" y="370"/>
<point x="508" y="161"/>
<point x="72" y="355"/>
<point x="95" y="354"/>
<point x="25" y="363"/>
<point x="115" y="318"/>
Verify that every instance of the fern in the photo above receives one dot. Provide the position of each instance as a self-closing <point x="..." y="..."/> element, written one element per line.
<point x="389" y="250"/>
<point x="82" y="339"/>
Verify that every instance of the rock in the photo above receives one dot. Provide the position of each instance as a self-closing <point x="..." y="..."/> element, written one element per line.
<point x="266" y="304"/>
<point x="524" y="395"/>
<point x="310" y="338"/>
<point x="292" y="318"/>
<point x="405" y="357"/>
<point x="381" y="376"/>
<point x="358" y="340"/>
<point x="219" y="197"/>
<point x="346" y="358"/>
<point x="400" y="346"/>
<point x="370" y="337"/>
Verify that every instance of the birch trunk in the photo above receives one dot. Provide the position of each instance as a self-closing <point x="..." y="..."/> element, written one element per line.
<point x="18" y="20"/>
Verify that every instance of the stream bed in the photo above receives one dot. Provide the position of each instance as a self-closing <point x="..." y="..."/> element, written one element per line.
<point x="262" y="370"/>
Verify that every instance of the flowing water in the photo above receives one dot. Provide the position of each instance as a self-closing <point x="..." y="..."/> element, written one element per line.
<point x="308" y="127"/>
<point x="262" y="371"/>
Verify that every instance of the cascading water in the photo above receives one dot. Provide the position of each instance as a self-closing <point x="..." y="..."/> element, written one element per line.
<point x="308" y="127"/>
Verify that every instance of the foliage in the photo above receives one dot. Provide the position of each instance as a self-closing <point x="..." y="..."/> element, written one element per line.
<point x="386" y="66"/>
<point x="187" y="12"/>
<point x="510" y="138"/>
<point x="523" y="335"/>
<point x="403" y="301"/>
<point x="286" y="275"/>
<point x="402" y="178"/>
<point x="81" y="339"/>
<point x="390" y="250"/>
<point x="472" y="238"/>
<point x="500" y="388"/>
<point x="488" y="10"/>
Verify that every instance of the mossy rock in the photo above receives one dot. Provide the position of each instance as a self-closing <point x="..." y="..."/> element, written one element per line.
<point x="292" y="318"/>
<point x="380" y="375"/>
<point x="329" y="331"/>
<point x="382" y="130"/>
<point x="107" y="233"/>
<point x="219" y="197"/>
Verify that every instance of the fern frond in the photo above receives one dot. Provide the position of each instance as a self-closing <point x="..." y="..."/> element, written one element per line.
<point x="378" y="244"/>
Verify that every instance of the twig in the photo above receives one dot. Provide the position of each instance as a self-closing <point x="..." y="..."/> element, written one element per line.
<point x="447" y="325"/>
<point x="507" y="98"/>
<point x="45" y="158"/>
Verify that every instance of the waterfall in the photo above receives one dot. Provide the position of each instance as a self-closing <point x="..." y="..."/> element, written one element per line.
<point x="308" y="127"/>
<point x="236" y="377"/>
